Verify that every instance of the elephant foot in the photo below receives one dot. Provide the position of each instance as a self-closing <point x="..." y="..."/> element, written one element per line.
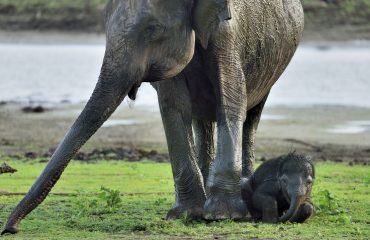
<point x="305" y="211"/>
<point x="192" y="213"/>
<point x="9" y="230"/>
<point x="221" y="207"/>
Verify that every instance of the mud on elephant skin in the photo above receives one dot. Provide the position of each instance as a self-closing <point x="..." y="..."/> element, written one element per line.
<point x="280" y="190"/>
<point x="211" y="61"/>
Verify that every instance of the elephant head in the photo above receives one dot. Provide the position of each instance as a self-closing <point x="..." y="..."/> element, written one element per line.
<point x="146" y="41"/>
<point x="296" y="177"/>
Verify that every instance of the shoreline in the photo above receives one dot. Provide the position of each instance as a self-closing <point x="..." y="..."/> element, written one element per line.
<point x="282" y="130"/>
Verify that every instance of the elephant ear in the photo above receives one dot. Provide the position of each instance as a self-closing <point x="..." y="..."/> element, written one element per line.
<point x="207" y="14"/>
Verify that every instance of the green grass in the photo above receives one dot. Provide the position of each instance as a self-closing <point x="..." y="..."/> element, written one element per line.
<point x="341" y="193"/>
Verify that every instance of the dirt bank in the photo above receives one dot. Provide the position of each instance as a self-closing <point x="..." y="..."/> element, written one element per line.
<point x="35" y="135"/>
<point x="52" y="15"/>
<point x="329" y="20"/>
<point x="351" y="154"/>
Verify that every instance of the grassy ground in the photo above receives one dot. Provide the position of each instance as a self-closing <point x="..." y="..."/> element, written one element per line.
<point x="341" y="194"/>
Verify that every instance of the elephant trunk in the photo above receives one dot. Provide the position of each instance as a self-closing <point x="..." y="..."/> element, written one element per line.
<point x="293" y="208"/>
<point x="109" y="92"/>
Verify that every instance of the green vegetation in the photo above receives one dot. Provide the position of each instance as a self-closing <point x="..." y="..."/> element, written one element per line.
<point x="52" y="4"/>
<point x="341" y="195"/>
<point x="86" y="15"/>
<point x="70" y="15"/>
<point x="344" y="8"/>
<point x="339" y="11"/>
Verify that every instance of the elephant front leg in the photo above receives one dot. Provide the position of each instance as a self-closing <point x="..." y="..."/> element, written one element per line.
<point x="265" y="206"/>
<point x="175" y="109"/>
<point x="269" y="210"/>
<point x="223" y="185"/>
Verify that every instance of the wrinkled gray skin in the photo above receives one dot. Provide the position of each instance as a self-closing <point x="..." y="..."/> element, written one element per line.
<point x="220" y="59"/>
<point x="280" y="190"/>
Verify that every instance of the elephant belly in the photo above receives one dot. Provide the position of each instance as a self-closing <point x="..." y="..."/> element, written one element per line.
<point x="261" y="72"/>
<point x="267" y="35"/>
<point x="273" y="30"/>
<point x="264" y="65"/>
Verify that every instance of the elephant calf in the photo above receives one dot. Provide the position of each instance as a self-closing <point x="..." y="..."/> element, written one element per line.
<point x="280" y="189"/>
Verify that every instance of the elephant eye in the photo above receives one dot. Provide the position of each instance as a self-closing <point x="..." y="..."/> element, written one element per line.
<point x="153" y="32"/>
<point x="309" y="180"/>
<point x="284" y="180"/>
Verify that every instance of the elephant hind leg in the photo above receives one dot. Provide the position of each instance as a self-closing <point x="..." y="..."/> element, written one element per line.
<point x="204" y="142"/>
<point x="249" y="134"/>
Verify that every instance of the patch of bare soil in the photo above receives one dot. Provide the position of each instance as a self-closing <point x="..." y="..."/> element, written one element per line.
<point x="5" y="168"/>
<point x="333" y="152"/>
<point x="119" y="153"/>
<point x="353" y="155"/>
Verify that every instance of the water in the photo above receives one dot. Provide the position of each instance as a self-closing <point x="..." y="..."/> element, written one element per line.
<point x="54" y="73"/>
<point x="351" y="127"/>
<point x="119" y="122"/>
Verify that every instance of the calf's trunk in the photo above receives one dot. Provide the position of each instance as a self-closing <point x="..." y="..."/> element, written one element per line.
<point x="293" y="208"/>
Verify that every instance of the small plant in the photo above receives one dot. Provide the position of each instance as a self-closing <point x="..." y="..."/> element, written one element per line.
<point x="111" y="197"/>
<point x="85" y="204"/>
<point x="367" y="180"/>
<point x="327" y="203"/>
<point x="160" y="201"/>
<point x="107" y="201"/>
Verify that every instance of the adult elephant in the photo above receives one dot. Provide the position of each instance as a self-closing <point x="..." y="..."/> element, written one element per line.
<point x="220" y="59"/>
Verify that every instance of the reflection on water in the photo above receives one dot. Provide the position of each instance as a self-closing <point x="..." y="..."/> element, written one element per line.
<point x="272" y="117"/>
<point x="352" y="127"/>
<point x="119" y="122"/>
<point x="68" y="73"/>
<point x="50" y="73"/>
<point x="337" y="75"/>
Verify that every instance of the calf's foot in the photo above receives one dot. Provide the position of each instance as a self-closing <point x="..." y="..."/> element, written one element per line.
<point x="306" y="210"/>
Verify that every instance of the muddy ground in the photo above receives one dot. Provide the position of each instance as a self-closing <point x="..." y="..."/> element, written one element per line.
<point x="305" y="130"/>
